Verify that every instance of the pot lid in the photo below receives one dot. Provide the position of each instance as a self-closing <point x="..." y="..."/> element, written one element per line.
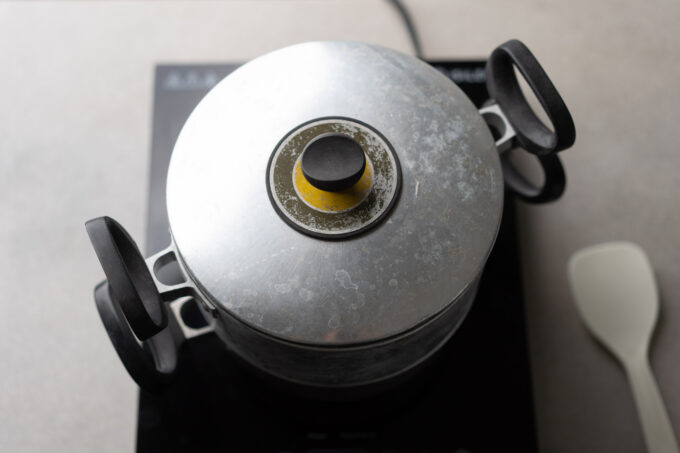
<point x="356" y="251"/>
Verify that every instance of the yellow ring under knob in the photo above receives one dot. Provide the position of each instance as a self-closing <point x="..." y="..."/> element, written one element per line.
<point x="332" y="202"/>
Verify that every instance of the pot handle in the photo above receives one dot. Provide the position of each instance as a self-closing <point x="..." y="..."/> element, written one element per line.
<point x="521" y="125"/>
<point x="130" y="281"/>
<point x="145" y="331"/>
<point x="151" y="363"/>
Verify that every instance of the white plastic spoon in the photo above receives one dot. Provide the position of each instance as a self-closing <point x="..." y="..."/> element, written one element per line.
<point x="615" y="292"/>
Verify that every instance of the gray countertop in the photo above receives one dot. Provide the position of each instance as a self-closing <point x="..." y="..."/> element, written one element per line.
<point x="75" y="123"/>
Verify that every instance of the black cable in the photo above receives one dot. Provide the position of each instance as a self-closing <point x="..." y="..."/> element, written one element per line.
<point x="406" y="16"/>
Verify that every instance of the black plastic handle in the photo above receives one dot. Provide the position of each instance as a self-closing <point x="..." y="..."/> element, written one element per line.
<point x="333" y="162"/>
<point x="502" y="84"/>
<point x="151" y="363"/>
<point x="129" y="278"/>
<point x="552" y="188"/>
<point x="530" y="132"/>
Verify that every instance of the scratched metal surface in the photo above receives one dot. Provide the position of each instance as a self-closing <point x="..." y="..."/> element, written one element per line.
<point x="248" y="261"/>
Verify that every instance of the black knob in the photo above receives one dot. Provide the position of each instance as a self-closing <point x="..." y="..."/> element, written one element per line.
<point x="333" y="162"/>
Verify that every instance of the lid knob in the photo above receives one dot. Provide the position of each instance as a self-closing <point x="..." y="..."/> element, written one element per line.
<point x="333" y="162"/>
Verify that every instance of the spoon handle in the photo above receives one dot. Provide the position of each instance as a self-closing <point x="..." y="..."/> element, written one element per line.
<point x="656" y="425"/>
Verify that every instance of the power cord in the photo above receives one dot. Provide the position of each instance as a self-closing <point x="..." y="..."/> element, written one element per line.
<point x="408" y="21"/>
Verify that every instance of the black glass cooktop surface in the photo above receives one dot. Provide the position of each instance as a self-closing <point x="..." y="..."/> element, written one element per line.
<point x="475" y="396"/>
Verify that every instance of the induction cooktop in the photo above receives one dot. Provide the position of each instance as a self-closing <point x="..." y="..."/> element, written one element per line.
<point x="475" y="396"/>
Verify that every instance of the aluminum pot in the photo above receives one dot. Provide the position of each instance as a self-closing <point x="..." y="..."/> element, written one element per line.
<point x="331" y="207"/>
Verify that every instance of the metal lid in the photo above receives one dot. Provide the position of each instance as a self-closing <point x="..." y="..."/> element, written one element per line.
<point x="431" y="167"/>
